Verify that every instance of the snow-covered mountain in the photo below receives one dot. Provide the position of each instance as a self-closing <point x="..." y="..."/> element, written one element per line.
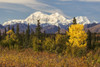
<point x="53" y="19"/>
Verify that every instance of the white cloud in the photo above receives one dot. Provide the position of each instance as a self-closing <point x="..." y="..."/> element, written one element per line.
<point x="83" y="0"/>
<point x="13" y="7"/>
<point x="18" y="1"/>
<point x="33" y="4"/>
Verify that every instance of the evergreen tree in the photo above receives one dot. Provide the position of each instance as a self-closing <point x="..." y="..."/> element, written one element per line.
<point x="39" y="38"/>
<point x="74" y="21"/>
<point x="89" y="39"/>
<point x="44" y="35"/>
<point x="17" y="29"/>
<point x="93" y="40"/>
<point x="32" y="32"/>
<point x="58" y="30"/>
<point x="38" y="30"/>
<point x="8" y="27"/>
<point x="31" y="37"/>
<point x="5" y="32"/>
<point x="0" y="35"/>
<point x="23" y="39"/>
<point x="19" y="37"/>
<point x="27" y="36"/>
<point x="13" y="29"/>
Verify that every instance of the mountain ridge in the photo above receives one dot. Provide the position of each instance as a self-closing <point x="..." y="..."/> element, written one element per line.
<point x="50" y="23"/>
<point x="52" y="19"/>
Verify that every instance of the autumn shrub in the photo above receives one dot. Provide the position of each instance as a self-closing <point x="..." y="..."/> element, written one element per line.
<point x="10" y="40"/>
<point x="57" y="45"/>
<point x="4" y="44"/>
<point x="78" y="52"/>
<point x="75" y="51"/>
<point x="49" y="44"/>
<point x="37" y="44"/>
<point x="60" y="43"/>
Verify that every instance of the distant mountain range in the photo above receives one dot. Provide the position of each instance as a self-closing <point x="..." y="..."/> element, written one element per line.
<point x="50" y="23"/>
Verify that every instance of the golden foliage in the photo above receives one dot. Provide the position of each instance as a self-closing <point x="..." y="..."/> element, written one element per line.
<point x="49" y="44"/>
<point x="36" y="43"/>
<point x="77" y="35"/>
<point x="59" y="39"/>
<point x="11" y="40"/>
<point x="11" y="35"/>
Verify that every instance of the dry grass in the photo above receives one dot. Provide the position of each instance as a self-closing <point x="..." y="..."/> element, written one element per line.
<point x="29" y="58"/>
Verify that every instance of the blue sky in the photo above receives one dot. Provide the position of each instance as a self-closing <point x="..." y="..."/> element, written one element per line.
<point x="21" y="9"/>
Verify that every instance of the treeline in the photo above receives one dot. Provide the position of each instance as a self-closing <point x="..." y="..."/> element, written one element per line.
<point x="76" y="42"/>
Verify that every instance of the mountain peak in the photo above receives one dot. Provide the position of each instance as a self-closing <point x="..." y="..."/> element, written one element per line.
<point x="57" y="14"/>
<point x="83" y="19"/>
<point x="53" y="19"/>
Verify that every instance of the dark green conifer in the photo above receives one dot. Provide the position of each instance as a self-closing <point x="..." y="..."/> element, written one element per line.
<point x="89" y="40"/>
<point x="17" y="30"/>
<point x="27" y="36"/>
<point x="32" y="32"/>
<point x="93" y="40"/>
<point x="58" y="30"/>
<point x="0" y="35"/>
<point x="5" y="32"/>
<point x="74" y="21"/>
<point x="8" y="27"/>
<point x="13" y="29"/>
<point x="38" y="30"/>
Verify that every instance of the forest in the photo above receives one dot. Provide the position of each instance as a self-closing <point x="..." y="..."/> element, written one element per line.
<point x="75" y="48"/>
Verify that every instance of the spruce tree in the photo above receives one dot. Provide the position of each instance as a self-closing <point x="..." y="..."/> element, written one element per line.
<point x="58" y="30"/>
<point x="32" y="32"/>
<point x="27" y="36"/>
<point x="89" y="40"/>
<point x="93" y="40"/>
<point x="5" y="32"/>
<point x="44" y="35"/>
<point x="13" y="29"/>
<point x="18" y="35"/>
<point x="38" y="30"/>
<point x="74" y="21"/>
<point x="8" y="27"/>
<point x="39" y="36"/>
<point x="0" y="35"/>
<point x="17" y="30"/>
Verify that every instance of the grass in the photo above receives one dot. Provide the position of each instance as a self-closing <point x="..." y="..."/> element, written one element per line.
<point x="29" y="58"/>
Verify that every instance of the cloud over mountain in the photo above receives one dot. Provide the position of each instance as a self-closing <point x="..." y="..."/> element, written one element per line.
<point x="33" y="4"/>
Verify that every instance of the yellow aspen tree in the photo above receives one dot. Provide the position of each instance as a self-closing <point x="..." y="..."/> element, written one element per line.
<point x="77" y="35"/>
<point x="11" y="35"/>
<point x="10" y="40"/>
